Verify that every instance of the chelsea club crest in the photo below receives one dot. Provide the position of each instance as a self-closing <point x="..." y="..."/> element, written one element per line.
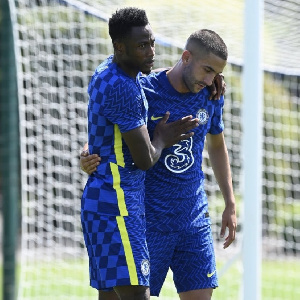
<point x="203" y="116"/>
<point x="145" y="267"/>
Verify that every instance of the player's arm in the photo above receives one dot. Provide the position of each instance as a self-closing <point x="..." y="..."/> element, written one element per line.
<point x="218" y="87"/>
<point x="219" y="159"/>
<point x="145" y="153"/>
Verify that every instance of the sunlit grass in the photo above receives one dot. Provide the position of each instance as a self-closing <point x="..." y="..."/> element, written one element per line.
<point x="70" y="280"/>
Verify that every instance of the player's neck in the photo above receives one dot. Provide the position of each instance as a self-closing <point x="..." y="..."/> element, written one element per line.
<point x="125" y="67"/>
<point x="174" y="76"/>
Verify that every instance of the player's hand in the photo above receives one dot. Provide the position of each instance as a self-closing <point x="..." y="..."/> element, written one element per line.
<point x="173" y="132"/>
<point x="217" y="88"/>
<point x="229" y="221"/>
<point x="89" y="163"/>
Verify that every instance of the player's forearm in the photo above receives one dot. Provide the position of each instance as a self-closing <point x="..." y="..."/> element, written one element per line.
<point x="144" y="153"/>
<point x="149" y="159"/>
<point x="156" y="149"/>
<point x="220" y="163"/>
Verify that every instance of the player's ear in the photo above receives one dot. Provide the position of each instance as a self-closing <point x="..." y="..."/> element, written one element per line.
<point x="118" y="46"/>
<point x="186" y="56"/>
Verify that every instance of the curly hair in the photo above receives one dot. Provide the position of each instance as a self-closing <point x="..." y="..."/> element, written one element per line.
<point x="209" y="41"/>
<point x="124" y="19"/>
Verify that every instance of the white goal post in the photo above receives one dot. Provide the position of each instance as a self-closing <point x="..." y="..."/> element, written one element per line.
<point x="252" y="150"/>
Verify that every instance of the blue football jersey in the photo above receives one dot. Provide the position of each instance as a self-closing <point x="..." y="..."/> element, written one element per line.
<point x="117" y="104"/>
<point x="174" y="186"/>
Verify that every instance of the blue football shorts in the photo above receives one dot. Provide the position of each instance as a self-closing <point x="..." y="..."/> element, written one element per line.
<point x="117" y="250"/>
<point x="190" y="255"/>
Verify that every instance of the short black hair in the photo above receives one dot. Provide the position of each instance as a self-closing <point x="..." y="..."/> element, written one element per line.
<point x="210" y="41"/>
<point x="122" y="21"/>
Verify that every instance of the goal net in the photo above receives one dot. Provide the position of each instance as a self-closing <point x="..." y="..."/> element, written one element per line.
<point x="58" y="45"/>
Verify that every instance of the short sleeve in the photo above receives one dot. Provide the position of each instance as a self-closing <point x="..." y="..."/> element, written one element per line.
<point x="217" y="124"/>
<point x="124" y="105"/>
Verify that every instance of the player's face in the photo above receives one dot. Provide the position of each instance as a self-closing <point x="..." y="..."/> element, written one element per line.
<point x="139" y="51"/>
<point x="200" y="72"/>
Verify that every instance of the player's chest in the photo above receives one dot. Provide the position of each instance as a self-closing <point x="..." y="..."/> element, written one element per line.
<point x="200" y="108"/>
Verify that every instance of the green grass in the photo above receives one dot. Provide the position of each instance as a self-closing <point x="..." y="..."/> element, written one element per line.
<point x="280" y="280"/>
<point x="69" y="280"/>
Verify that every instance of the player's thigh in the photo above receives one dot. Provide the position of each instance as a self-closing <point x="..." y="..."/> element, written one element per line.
<point x="95" y="277"/>
<point x="111" y="295"/>
<point x="133" y="292"/>
<point x="193" y="263"/>
<point x="118" y="250"/>
<point x="161" y="248"/>
<point x="201" y="294"/>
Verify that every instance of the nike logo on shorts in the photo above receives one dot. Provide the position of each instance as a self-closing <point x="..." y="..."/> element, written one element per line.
<point x="211" y="274"/>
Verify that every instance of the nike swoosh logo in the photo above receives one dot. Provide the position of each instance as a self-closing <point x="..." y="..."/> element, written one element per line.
<point x="155" y="118"/>
<point x="211" y="274"/>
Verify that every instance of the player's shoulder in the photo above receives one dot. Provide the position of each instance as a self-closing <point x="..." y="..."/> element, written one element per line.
<point x="110" y="75"/>
<point x="157" y="75"/>
<point x="153" y="79"/>
<point x="205" y="94"/>
<point x="218" y="102"/>
<point x="102" y="72"/>
<point x="103" y="66"/>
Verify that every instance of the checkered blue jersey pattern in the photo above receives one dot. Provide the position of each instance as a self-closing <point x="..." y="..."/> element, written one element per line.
<point x="175" y="196"/>
<point x="117" y="104"/>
